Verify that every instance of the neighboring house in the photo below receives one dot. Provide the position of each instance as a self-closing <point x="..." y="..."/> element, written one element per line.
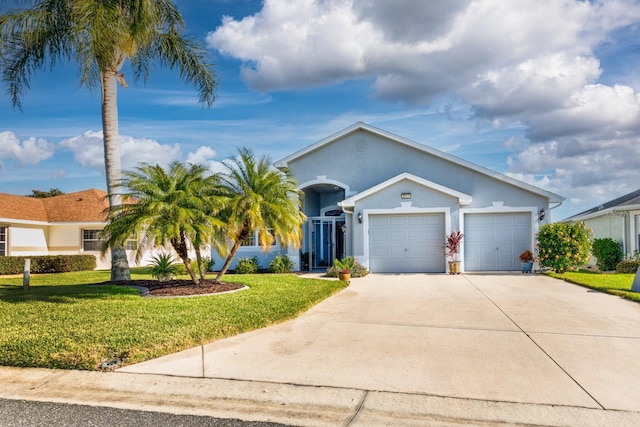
<point x="68" y="224"/>
<point x="389" y="202"/>
<point x="618" y="219"/>
<point x="59" y="225"/>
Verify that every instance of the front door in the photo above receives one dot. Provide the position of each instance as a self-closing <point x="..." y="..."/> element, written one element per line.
<point x="326" y="242"/>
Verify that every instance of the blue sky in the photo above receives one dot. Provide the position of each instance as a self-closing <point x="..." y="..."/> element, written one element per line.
<point x="544" y="91"/>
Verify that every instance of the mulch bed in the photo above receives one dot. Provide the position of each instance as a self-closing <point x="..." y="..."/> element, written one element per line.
<point x="172" y="288"/>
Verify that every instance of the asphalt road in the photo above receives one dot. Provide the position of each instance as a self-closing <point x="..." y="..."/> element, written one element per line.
<point x="20" y="413"/>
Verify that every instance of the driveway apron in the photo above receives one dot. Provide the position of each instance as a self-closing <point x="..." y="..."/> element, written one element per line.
<point x="510" y="338"/>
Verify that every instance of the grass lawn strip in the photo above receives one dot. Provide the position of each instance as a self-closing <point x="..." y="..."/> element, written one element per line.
<point x="61" y="323"/>
<point x="615" y="284"/>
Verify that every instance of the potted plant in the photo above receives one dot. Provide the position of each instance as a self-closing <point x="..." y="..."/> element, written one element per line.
<point x="344" y="266"/>
<point x="452" y="249"/>
<point x="526" y="259"/>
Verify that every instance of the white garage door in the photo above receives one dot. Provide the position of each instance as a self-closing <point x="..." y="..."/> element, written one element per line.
<point x="492" y="242"/>
<point x="406" y="243"/>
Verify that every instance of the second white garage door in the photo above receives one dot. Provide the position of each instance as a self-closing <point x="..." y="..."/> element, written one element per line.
<point x="406" y="243"/>
<point x="493" y="242"/>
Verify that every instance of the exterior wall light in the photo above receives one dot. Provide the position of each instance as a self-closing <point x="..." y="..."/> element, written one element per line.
<point x="360" y="217"/>
<point x="542" y="214"/>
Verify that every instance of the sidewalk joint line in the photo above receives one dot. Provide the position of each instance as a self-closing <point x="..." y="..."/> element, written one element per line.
<point x="536" y="344"/>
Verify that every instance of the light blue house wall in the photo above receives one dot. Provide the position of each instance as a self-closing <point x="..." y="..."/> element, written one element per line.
<point x="390" y="201"/>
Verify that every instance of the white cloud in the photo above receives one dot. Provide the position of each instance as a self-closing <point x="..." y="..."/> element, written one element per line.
<point x="205" y="156"/>
<point x="31" y="151"/>
<point x="533" y="63"/>
<point x="88" y="150"/>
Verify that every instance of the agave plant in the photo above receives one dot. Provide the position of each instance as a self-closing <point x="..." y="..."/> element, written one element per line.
<point x="163" y="267"/>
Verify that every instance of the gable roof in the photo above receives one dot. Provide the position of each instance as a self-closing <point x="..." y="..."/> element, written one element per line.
<point x="464" y="199"/>
<point x="81" y="206"/>
<point x="360" y="126"/>
<point x="627" y="202"/>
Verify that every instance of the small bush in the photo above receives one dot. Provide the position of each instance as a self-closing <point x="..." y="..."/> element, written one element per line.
<point x="48" y="263"/>
<point x="247" y="265"/>
<point x="207" y="265"/>
<point x="607" y="252"/>
<point x="281" y="264"/>
<point x="628" y="266"/>
<point x="350" y="264"/>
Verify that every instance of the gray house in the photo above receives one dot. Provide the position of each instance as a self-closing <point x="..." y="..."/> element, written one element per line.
<point x="389" y="202"/>
<point x="618" y="219"/>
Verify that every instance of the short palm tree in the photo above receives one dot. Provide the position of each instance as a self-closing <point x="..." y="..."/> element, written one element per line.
<point x="259" y="198"/>
<point x="165" y="207"/>
<point x="101" y="35"/>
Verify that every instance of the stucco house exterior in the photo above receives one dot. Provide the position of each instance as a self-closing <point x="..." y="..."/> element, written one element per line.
<point x="61" y="225"/>
<point x="618" y="219"/>
<point x="68" y="224"/>
<point x="390" y="201"/>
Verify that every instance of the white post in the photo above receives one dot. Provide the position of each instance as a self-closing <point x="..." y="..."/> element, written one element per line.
<point x="26" y="275"/>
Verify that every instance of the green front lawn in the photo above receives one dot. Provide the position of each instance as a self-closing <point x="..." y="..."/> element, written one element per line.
<point x="616" y="284"/>
<point x="62" y="323"/>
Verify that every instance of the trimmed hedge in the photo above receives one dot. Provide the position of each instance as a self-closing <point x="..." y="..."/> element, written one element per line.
<point x="629" y="266"/>
<point x="48" y="263"/>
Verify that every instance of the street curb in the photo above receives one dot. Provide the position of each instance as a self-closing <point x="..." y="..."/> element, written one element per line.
<point x="287" y="403"/>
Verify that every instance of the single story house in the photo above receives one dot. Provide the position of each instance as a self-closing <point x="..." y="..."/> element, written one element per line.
<point x="618" y="219"/>
<point x="390" y="201"/>
<point x="67" y="224"/>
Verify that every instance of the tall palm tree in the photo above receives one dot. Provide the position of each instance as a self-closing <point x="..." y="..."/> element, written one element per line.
<point x="101" y="35"/>
<point x="161" y="207"/>
<point x="259" y="198"/>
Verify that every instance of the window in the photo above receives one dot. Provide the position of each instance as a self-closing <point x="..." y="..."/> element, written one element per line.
<point x="3" y="241"/>
<point x="91" y="240"/>
<point x="253" y="238"/>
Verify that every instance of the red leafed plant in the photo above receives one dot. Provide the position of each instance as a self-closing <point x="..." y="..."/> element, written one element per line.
<point x="452" y="244"/>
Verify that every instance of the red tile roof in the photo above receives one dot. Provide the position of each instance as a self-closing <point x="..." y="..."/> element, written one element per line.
<point x="82" y="206"/>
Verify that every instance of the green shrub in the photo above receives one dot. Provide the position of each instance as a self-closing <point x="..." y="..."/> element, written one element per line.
<point x="247" y="265"/>
<point x="207" y="265"/>
<point x="48" y="263"/>
<point x="563" y="246"/>
<point x="281" y="264"/>
<point x="628" y="266"/>
<point x="350" y="264"/>
<point x="608" y="253"/>
<point x="164" y="266"/>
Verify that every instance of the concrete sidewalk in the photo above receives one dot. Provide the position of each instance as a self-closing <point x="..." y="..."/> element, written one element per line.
<point x="397" y="350"/>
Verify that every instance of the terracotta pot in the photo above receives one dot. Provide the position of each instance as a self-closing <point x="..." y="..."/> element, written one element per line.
<point x="344" y="276"/>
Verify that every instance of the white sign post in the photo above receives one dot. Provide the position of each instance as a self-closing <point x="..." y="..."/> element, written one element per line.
<point x="27" y="274"/>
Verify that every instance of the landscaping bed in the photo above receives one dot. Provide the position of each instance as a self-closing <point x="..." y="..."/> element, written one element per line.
<point x="178" y="287"/>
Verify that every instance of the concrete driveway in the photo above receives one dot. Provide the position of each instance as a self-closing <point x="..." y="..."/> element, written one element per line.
<point x="500" y="338"/>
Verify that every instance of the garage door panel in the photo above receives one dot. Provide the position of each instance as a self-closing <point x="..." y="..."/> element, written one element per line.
<point x="413" y="243"/>
<point x="494" y="241"/>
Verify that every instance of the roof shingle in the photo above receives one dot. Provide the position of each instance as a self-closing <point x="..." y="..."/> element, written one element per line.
<point x="81" y="206"/>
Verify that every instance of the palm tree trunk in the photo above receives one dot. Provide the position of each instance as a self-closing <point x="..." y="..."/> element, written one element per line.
<point x="180" y="246"/>
<point x="119" y="261"/>
<point x="199" y="262"/>
<point x="227" y="263"/>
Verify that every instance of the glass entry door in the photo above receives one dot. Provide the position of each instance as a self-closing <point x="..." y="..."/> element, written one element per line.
<point x="326" y="241"/>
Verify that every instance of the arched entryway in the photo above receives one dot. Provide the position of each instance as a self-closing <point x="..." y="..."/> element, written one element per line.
<point x="324" y="235"/>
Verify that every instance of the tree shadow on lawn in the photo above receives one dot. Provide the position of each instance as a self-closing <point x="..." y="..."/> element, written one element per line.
<point x="62" y="294"/>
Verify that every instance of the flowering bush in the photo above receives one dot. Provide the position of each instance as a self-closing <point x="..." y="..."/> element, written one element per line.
<point x="563" y="246"/>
